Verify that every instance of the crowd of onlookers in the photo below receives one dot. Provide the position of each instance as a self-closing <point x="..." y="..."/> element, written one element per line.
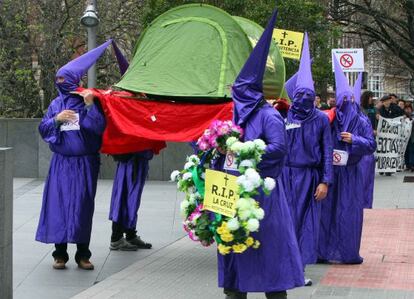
<point x="389" y="106"/>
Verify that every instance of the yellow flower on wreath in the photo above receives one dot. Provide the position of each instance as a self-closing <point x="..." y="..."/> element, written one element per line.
<point x="249" y="241"/>
<point x="223" y="230"/>
<point x="256" y="244"/>
<point x="227" y="237"/>
<point x="239" y="248"/>
<point x="223" y="249"/>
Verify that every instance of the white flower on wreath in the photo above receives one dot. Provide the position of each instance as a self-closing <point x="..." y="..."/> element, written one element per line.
<point x="187" y="176"/>
<point x="203" y="175"/>
<point x="243" y="203"/>
<point x="192" y="198"/>
<point x="252" y="225"/>
<point x="248" y="146"/>
<point x="269" y="184"/>
<point x="259" y="213"/>
<point x="236" y="147"/>
<point x="253" y="176"/>
<point x="188" y="165"/>
<point x="183" y="207"/>
<point x="194" y="159"/>
<point x="230" y="141"/>
<point x="233" y="224"/>
<point x="244" y="214"/>
<point x="246" y="163"/>
<point x="174" y="175"/>
<point x="247" y="185"/>
<point x="260" y="144"/>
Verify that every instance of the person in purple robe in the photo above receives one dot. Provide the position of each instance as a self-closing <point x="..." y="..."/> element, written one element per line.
<point x="73" y="128"/>
<point x="342" y="212"/>
<point x="308" y="170"/>
<point x="131" y="173"/>
<point x="366" y="166"/>
<point x="276" y="265"/>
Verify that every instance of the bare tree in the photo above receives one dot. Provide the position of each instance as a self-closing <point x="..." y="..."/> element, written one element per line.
<point x="390" y="23"/>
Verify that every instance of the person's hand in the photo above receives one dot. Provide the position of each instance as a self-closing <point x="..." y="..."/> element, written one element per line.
<point x="346" y="137"/>
<point x="87" y="96"/>
<point x="65" y="116"/>
<point x="321" y="191"/>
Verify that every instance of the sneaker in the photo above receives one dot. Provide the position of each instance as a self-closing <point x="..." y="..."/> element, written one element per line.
<point x="140" y="243"/>
<point x="59" y="264"/>
<point x="123" y="245"/>
<point x="308" y="282"/>
<point x="85" y="265"/>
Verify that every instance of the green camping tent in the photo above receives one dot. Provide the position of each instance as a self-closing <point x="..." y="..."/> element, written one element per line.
<point x="196" y="51"/>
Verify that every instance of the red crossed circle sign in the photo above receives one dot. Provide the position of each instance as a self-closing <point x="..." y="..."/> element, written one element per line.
<point x="346" y="60"/>
<point x="229" y="160"/>
<point x="336" y="157"/>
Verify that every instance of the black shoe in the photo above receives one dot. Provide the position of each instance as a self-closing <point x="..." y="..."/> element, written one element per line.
<point x="276" y="295"/>
<point x="308" y="282"/>
<point x="234" y="294"/>
<point x="139" y="243"/>
<point x="123" y="245"/>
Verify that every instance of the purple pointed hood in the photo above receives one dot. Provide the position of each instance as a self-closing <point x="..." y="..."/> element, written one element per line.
<point x="247" y="90"/>
<point x="345" y="107"/>
<point x="74" y="70"/>
<point x="300" y="88"/>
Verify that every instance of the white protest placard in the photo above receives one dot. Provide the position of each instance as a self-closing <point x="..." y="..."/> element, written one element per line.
<point x="406" y="126"/>
<point x="387" y="155"/>
<point x="350" y="60"/>
<point x="72" y="125"/>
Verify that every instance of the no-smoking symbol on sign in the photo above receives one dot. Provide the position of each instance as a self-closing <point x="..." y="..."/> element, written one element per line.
<point x="336" y="158"/>
<point x="346" y="60"/>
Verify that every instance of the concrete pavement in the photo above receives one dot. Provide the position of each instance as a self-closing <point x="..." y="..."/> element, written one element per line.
<point x="179" y="268"/>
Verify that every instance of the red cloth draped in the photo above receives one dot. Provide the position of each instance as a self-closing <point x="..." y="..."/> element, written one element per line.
<point x="136" y="125"/>
<point x="331" y="113"/>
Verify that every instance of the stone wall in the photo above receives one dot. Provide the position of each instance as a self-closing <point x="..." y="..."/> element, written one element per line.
<point x="32" y="154"/>
<point x="6" y="223"/>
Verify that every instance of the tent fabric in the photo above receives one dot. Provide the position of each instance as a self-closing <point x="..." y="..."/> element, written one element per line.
<point x="274" y="77"/>
<point x="192" y="51"/>
<point x="136" y="125"/>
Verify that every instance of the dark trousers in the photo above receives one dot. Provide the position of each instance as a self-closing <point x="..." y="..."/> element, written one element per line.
<point x="82" y="252"/>
<point x="118" y="232"/>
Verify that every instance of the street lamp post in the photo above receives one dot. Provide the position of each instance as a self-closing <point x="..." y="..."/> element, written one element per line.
<point x="90" y="20"/>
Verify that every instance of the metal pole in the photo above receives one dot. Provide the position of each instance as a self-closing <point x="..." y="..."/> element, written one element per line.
<point x="92" y="45"/>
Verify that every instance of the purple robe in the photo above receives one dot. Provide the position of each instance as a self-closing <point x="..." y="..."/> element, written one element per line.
<point x="308" y="164"/>
<point x="366" y="169"/>
<point x="127" y="189"/>
<point x="276" y="265"/>
<point x="342" y="211"/>
<point x="68" y="198"/>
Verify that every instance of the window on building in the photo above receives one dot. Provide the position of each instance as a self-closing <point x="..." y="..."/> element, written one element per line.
<point x="376" y="85"/>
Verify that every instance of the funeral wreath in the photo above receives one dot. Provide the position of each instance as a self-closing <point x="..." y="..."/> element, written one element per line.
<point x="232" y="234"/>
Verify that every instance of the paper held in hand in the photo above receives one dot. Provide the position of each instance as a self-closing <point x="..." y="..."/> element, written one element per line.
<point x="72" y="125"/>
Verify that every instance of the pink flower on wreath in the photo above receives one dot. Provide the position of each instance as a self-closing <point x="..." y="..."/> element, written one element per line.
<point x="224" y="130"/>
<point x="203" y="145"/>
<point x="193" y="236"/>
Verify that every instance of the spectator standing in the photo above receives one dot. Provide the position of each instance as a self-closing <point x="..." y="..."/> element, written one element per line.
<point x="319" y="103"/>
<point x="368" y="108"/>
<point x="409" y="152"/>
